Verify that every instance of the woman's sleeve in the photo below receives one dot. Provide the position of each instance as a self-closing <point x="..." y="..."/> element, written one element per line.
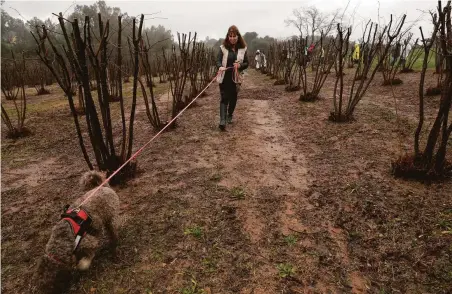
<point x="220" y="58"/>
<point x="244" y="64"/>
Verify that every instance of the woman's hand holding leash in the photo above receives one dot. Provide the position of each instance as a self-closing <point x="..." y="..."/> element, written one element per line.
<point x="236" y="64"/>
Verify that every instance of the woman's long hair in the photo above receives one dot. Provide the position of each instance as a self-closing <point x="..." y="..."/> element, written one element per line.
<point x="240" y="42"/>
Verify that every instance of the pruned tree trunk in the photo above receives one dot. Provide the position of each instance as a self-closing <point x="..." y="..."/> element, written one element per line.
<point x="13" y="87"/>
<point x="80" y="55"/>
<point x="430" y="162"/>
<point x="358" y="88"/>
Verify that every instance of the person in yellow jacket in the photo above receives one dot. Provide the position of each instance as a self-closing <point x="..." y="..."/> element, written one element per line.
<point x="356" y="54"/>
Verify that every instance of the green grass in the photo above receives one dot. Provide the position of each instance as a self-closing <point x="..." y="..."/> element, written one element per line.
<point x="216" y="177"/>
<point x="192" y="288"/>
<point x="418" y="64"/>
<point x="194" y="231"/>
<point x="445" y="221"/>
<point x="209" y="265"/>
<point x="285" y="270"/>
<point x="290" y="240"/>
<point x="238" y="193"/>
<point x="60" y="102"/>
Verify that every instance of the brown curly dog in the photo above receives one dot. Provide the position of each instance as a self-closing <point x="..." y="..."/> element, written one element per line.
<point x="62" y="253"/>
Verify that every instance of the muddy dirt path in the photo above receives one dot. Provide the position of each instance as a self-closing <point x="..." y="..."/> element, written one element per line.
<point x="266" y="164"/>
<point x="261" y="164"/>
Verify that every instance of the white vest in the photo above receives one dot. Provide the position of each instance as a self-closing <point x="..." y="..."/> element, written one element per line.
<point x="240" y="57"/>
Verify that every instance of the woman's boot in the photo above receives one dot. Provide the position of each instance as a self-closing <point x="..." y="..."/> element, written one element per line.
<point x="223" y="113"/>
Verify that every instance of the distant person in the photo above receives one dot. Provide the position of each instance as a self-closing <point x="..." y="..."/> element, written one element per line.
<point x="355" y="56"/>
<point x="311" y="48"/>
<point x="232" y="60"/>
<point x="310" y="51"/>
<point x="257" y="58"/>
<point x="263" y="60"/>
<point x="305" y="60"/>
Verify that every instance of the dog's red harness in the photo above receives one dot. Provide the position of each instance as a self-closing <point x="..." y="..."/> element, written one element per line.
<point x="80" y="222"/>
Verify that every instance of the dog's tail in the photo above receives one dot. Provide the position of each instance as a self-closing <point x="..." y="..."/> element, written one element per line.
<point x="91" y="179"/>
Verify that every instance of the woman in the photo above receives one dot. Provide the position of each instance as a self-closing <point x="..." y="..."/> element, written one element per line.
<point x="232" y="60"/>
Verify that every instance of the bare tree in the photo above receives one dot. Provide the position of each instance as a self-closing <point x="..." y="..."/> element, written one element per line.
<point x="151" y="112"/>
<point x="195" y="70"/>
<point x="9" y="79"/>
<point x="126" y="69"/>
<point x="431" y="161"/>
<point x="311" y="20"/>
<point x="177" y="67"/>
<point x="293" y="65"/>
<point x="322" y="60"/>
<point x="79" y="51"/>
<point x="160" y="67"/>
<point x="342" y="48"/>
<point x="209" y="68"/>
<point x="372" y="44"/>
<point x="271" y="60"/>
<point x="12" y="90"/>
<point x="391" y="64"/>
<point x="439" y="60"/>
<point x="279" y="62"/>
<point x="410" y="54"/>
<point x="36" y="76"/>
<point x="440" y="65"/>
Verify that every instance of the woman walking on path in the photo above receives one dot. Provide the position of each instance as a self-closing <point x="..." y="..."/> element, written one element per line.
<point x="232" y="60"/>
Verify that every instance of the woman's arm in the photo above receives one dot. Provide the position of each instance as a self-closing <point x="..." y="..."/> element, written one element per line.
<point x="220" y="59"/>
<point x="244" y="64"/>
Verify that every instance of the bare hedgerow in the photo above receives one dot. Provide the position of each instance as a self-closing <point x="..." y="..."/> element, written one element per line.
<point x="177" y="66"/>
<point x="148" y="91"/>
<point x="10" y="83"/>
<point x="13" y="87"/>
<point x="293" y="66"/>
<point x="190" y="68"/>
<point x="391" y="65"/>
<point x="37" y="76"/>
<point x="322" y="60"/>
<point x="271" y="60"/>
<point x="80" y="53"/>
<point x="410" y="54"/>
<point x="373" y="42"/>
<point x="440" y="64"/>
<point x="431" y="162"/>
<point x="277" y="62"/>
<point x="163" y="77"/>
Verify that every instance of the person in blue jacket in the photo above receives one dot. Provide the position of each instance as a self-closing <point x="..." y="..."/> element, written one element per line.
<point x="232" y="60"/>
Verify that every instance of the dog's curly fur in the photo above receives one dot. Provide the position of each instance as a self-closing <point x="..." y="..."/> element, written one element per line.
<point x="55" y="267"/>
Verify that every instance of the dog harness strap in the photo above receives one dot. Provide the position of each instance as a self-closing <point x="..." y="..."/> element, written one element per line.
<point x="78" y="238"/>
<point x="80" y="223"/>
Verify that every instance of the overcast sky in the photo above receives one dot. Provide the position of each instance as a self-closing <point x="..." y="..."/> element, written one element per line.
<point x="212" y="18"/>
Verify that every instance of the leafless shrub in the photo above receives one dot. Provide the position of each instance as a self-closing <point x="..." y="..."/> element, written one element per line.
<point x="373" y="45"/>
<point x="15" y="90"/>
<point x="431" y="162"/>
